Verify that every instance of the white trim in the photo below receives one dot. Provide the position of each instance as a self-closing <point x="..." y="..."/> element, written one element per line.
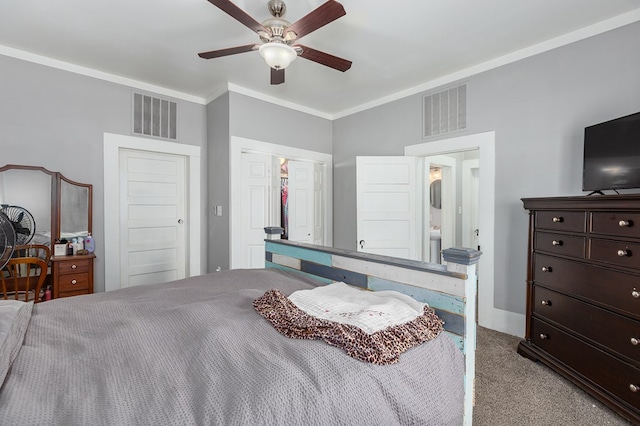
<point x="100" y="75"/>
<point x="488" y="315"/>
<point x="112" y="145"/>
<point x="239" y="145"/>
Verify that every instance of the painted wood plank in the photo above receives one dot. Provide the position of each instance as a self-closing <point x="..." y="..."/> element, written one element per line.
<point x="435" y="299"/>
<point x="335" y="274"/>
<point x="299" y="253"/>
<point x="452" y="323"/>
<point x="441" y="283"/>
<point x="286" y="261"/>
<point x="321" y="280"/>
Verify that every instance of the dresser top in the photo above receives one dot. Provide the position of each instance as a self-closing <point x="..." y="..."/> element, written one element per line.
<point x="583" y="202"/>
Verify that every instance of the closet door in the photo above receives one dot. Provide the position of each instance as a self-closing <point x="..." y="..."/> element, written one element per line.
<point x="302" y="217"/>
<point x="258" y="206"/>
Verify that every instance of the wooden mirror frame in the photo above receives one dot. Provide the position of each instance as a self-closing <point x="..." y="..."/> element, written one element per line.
<point x="56" y="188"/>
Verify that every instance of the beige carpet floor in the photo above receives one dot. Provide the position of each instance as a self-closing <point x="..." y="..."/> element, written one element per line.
<point x="514" y="391"/>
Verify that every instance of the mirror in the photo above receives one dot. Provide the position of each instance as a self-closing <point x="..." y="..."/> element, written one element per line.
<point x="435" y="191"/>
<point x="30" y="189"/>
<point x="74" y="209"/>
<point x="61" y="208"/>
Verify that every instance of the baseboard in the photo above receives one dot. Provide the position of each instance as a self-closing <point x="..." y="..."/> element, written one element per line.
<point x="505" y="322"/>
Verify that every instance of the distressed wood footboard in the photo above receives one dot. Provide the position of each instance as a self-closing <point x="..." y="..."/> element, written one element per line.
<point x="450" y="290"/>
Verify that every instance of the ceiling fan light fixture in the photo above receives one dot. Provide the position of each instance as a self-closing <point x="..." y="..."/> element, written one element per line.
<point x="278" y="55"/>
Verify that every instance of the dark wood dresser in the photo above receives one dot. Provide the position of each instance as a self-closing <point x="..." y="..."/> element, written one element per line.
<point x="72" y="275"/>
<point x="583" y="294"/>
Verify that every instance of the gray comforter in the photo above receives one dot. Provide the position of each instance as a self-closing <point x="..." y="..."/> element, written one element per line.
<point x="195" y="352"/>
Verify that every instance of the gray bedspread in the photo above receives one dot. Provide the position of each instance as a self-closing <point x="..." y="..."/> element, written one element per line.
<point x="195" y="352"/>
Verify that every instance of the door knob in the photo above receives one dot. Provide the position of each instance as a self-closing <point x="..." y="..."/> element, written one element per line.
<point x="361" y="244"/>
<point x="179" y="220"/>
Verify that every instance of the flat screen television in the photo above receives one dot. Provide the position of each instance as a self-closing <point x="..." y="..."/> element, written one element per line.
<point x="612" y="154"/>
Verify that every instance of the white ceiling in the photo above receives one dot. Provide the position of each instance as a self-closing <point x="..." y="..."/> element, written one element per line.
<point x="396" y="46"/>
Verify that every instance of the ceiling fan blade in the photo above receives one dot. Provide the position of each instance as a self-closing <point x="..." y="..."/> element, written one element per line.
<point x="277" y="76"/>
<point x="319" y="17"/>
<point x="240" y="15"/>
<point x="323" y="58"/>
<point x="229" y="51"/>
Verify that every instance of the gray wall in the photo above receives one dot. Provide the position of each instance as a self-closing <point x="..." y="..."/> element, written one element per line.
<point x="538" y="108"/>
<point x="56" y="119"/>
<point x="238" y="115"/>
<point x="218" y="183"/>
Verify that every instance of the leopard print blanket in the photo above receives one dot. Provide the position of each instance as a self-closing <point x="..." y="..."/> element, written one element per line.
<point x="382" y="347"/>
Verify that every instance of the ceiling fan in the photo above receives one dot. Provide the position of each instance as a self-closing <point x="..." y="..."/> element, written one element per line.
<point x="279" y="37"/>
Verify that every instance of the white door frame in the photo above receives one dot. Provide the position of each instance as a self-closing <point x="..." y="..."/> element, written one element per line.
<point x="239" y="145"/>
<point x="112" y="145"/>
<point x="488" y="316"/>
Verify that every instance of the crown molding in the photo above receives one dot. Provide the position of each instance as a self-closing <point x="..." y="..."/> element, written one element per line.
<point x="100" y="75"/>
<point x="563" y="40"/>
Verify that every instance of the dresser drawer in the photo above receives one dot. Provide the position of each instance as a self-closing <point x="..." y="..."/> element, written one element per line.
<point x="561" y="221"/>
<point x="73" y="282"/>
<point x="607" y="288"/>
<point x="619" y="333"/>
<point x="566" y="245"/>
<point x="616" y="223"/>
<point x="73" y="293"/>
<point x="618" y="253"/>
<point x="614" y="375"/>
<point x="73" y="266"/>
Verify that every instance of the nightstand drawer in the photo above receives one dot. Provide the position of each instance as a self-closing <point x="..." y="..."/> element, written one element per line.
<point x="621" y="224"/>
<point x="600" y="368"/>
<point x="566" y="245"/>
<point x="561" y="221"/>
<point x="619" y="333"/>
<point x="605" y="287"/>
<point x="73" y="282"/>
<point x="73" y="266"/>
<point x="617" y="253"/>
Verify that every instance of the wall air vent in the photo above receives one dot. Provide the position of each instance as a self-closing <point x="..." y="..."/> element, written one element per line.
<point x="155" y="117"/>
<point x="445" y="111"/>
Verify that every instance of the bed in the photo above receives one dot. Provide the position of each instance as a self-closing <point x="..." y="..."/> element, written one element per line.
<point x="195" y="351"/>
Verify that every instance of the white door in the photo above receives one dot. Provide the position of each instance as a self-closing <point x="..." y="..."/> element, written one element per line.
<point x="152" y="217"/>
<point x="389" y="206"/>
<point x="305" y="202"/>
<point x="470" y="203"/>
<point x="258" y="205"/>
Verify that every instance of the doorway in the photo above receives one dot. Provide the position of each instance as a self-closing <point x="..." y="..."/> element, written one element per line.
<point x="488" y="316"/>
<point x="310" y="207"/>
<point x="113" y="145"/>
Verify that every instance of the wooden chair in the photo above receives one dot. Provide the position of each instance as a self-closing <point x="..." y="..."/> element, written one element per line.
<point x="23" y="276"/>
<point x="33" y="250"/>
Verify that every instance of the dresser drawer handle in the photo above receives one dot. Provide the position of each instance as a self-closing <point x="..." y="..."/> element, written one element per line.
<point x="634" y="388"/>
<point x="624" y="223"/>
<point x="544" y="336"/>
<point x="73" y="266"/>
<point x="634" y="341"/>
<point x="557" y="219"/>
<point x="557" y="242"/>
<point x="546" y="269"/>
<point x="623" y="253"/>
<point x="635" y="293"/>
<point x="74" y="282"/>
<point x="546" y="303"/>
